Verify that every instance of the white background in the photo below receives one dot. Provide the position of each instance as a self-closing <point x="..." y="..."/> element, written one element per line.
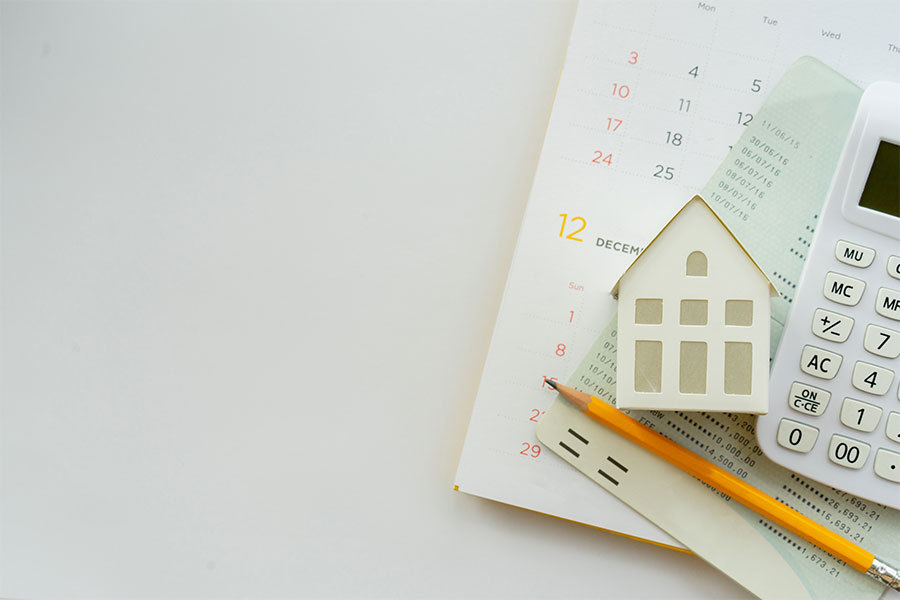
<point x="252" y="255"/>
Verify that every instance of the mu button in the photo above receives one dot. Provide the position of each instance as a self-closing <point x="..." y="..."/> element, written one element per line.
<point x="820" y="363"/>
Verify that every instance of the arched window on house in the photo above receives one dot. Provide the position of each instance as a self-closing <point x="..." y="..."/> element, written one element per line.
<point x="696" y="264"/>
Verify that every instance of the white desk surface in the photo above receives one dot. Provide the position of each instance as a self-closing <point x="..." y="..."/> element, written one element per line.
<point x="251" y="259"/>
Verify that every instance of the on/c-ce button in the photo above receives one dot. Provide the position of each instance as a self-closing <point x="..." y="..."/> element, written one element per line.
<point x="820" y="363"/>
<point x="807" y="399"/>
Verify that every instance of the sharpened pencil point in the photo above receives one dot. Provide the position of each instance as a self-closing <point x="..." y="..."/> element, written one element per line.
<point x="579" y="399"/>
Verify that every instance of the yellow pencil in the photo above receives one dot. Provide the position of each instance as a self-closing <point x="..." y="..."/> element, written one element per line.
<point x="767" y="506"/>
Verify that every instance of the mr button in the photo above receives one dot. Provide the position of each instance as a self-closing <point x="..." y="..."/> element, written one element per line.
<point x="820" y="363"/>
<point x="887" y="304"/>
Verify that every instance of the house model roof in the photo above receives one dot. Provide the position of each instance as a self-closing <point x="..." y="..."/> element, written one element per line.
<point x="772" y="290"/>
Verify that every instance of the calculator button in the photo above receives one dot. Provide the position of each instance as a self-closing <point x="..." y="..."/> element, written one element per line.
<point x="887" y="304"/>
<point x="882" y="341"/>
<point x="808" y="399"/>
<point x="842" y="289"/>
<point x="852" y="254"/>
<point x="848" y="452"/>
<point x="892" y="429"/>
<point x="820" y="363"/>
<point x="795" y="436"/>
<point x="832" y="326"/>
<point x="893" y="267"/>
<point x="887" y="465"/>
<point x="860" y="415"/>
<point x="872" y="379"/>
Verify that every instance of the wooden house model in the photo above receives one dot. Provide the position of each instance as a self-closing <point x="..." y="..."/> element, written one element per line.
<point x="693" y="321"/>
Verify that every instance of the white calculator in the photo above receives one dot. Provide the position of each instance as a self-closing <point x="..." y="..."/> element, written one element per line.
<point x="834" y="393"/>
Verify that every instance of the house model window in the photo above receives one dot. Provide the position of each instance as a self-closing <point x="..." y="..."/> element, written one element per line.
<point x="696" y="264"/>
<point x="693" y="324"/>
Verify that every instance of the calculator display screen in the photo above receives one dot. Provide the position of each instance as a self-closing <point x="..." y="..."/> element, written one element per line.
<point x="882" y="190"/>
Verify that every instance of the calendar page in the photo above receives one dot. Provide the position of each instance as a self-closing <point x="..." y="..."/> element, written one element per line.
<point x="651" y="99"/>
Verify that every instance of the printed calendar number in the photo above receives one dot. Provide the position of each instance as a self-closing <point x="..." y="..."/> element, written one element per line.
<point x="663" y="172"/>
<point x="560" y="349"/>
<point x="599" y="157"/>
<point x="572" y="234"/>
<point x="536" y="414"/>
<point x="544" y="385"/>
<point x="613" y="124"/>
<point x="694" y="72"/>
<point x="632" y="58"/>
<point x="530" y="450"/>
<point x="620" y="90"/>
<point x="756" y="87"/>
<point x="684" y="105"/>
<point x="744" y="118"/>
<point x="674" y="138"/>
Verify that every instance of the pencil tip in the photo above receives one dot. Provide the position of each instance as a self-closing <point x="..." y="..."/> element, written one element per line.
<point x="579" y="399"/>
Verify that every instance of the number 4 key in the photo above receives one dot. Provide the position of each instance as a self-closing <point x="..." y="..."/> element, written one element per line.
<point x="871" y="378"/>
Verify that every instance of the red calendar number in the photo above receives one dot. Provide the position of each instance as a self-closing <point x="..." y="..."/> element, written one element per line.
<point x="544" y="383"/>
<point x="632" y="58"/>
<point x="530" y="450"/>
<point x="612" y="124"/>
<point x="560" y="349"/>
<point x="536" y="414"/>
<point x="599" y="157"/>
<point x="621" y="90"/>
<point x="571" y="315"/>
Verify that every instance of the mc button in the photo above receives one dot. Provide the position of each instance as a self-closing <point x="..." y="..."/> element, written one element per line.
<point x="820" y="363"/>
<point x="842" y="289"/>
